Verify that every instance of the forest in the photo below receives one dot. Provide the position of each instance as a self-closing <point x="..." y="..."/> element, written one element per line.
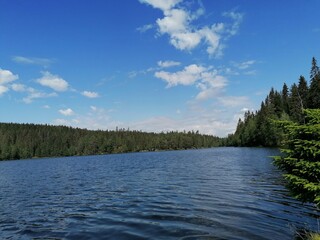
<point x="21" y="141"/>
<point x="260" y="128"/>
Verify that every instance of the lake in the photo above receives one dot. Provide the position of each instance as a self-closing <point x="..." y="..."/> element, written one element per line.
<point x="218" y="193"/>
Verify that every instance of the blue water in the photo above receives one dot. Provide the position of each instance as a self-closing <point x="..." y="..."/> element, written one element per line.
<point x="219" y="193"/>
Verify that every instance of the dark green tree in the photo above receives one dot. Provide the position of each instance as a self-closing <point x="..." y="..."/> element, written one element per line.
<point x="295" y="104"/>
<point x="301" y="160"/>
<point x="314" y="91"/>
<point x="303" y="91"/>
<point x="20" y="141"/>
<point x="285" y="98"/>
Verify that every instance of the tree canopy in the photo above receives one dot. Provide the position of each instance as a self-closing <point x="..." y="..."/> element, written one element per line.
<point x="19" y="141"/>
<point x="301" y="159"/>
<point x="258" y="128"/>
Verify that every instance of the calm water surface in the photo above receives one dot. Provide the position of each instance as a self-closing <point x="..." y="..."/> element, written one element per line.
<point x="222" y="193"/>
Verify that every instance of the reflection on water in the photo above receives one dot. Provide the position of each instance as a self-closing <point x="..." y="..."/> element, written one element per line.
<point x="221" y="193"/>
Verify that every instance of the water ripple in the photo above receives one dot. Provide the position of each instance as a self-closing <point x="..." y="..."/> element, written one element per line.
<point x="223" y="193"/>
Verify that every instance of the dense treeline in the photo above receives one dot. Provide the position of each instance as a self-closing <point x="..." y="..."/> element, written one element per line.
<point x="20" y="141"/>
<point x="259" y="128"/>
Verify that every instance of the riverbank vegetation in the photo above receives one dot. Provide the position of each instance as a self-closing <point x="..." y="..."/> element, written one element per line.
<point x="259" y="129"/>
<point x="301" y="154"/>
<point x="20" y="141"/>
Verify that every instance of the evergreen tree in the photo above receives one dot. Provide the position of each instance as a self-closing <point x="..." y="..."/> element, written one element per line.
<point x="303" y="91"/>
<point x="301" y="160"/>
<point x="314" y="91"/>
<point x="295" y="104"/>
<point x="20" y="141"/>
<point x="286" y="105"/>
<point x="285" y="98"/>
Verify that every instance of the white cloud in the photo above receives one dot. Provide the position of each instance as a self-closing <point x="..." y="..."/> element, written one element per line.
<point x="31" y="93"/>
<point x="96" y="118"/>
<point x="166" y="64"/>
<point x="34" y="94"/>
<point x="32" y="60"/>
<point x="90" y="94"/>
<point x="188" y="76"/>
<point x="237" y="18"/>
<point x="205" y="78"/>
<point x="3" y="89"/>
<point x="213" y="119"/>
<point x="210" y="120"/>
<point x="7" y="76"/>
<point x="212" y="37"/>
<point x="161" y="4"/>
<point x="145" y="28"/>
<point x="244" y="65"/>
<point x="66" y="112"/>
<point x="177" y="23"/>
<point x="18" y="87"/>
<point x="53" y="81"/>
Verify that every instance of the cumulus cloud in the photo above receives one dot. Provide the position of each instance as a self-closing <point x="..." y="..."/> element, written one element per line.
<point x="89" y="94"/>
<point x="166" y="64"/>
<point x="66" y="112"/>
<point x="177" y="23"/>
<point x="206" y="79"/>
<point x="7" y="76"/>
<point x="188" y="76"/>
<point x="53" y="81"/>
<point x="32" y="60"/>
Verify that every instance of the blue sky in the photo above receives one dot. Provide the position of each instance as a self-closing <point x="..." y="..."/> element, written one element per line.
<point x="151" y="65"/>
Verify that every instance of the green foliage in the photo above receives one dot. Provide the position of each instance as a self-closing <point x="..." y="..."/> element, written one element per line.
<point x="20" y="141"/>
<point x="258" y="128"/>
<point x="301" y="159"/>
<point x="314" y="91"/>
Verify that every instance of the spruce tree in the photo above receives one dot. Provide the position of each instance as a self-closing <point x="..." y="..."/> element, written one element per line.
<point x="303" y="91"/>
<point x="301" y="160"/>
<point x="295" y="104"/>
<point x="285" y="98"/>
<point x="314" y="91"/>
